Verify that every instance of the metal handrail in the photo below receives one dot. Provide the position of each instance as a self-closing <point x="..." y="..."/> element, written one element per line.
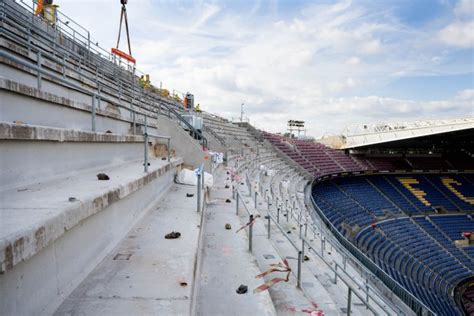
<point x="300" y="252"/>
<point x="106" y="65"/>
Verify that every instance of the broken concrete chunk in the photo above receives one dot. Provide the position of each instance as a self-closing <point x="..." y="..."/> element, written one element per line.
<point x="103" y="176"/>
<point x="173" y="235"/>
<point x="242" y="289"/>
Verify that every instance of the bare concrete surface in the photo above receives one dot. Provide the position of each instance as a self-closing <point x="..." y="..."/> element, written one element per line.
<point x="31" y="217"/>
<point x="146" y="274"/>
<point x="226" y="262"/>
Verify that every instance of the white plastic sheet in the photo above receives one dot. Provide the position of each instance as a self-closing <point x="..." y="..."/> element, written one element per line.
<point x="189" y="177"/>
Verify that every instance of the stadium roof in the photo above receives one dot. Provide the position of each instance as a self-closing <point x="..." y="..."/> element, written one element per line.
<point x="367" y="135"/>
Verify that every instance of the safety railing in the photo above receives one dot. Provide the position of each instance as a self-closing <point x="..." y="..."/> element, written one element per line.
<point x="199" y="187"/>
<point x="146" y="135"/>
<point x="118" y="82"/>
<point x="341" y="274"/>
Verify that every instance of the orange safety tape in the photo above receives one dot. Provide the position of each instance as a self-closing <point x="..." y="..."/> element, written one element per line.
<point x="279" y="267"/>
<point x="312" y="312"/>
<point x="248" y="224"/>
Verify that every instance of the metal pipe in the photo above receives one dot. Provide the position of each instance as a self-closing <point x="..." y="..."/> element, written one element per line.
<point x="199" y="191"/>
<point x="169" y="150"/>
<point x="349" y="299"/>
<point x="255" y="199"/>
<point x="145" y="140"/>
<point x="237" y="203"/>
<point x="250" y="232"/>
<point x="298" y="275"/>
<point x="39" y="61"/>
<point x="93" y="113"/>
<point x="268" y="227"/>
<point x="302" y="247"/>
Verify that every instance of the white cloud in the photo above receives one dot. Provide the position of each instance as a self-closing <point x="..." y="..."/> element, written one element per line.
<point x="285" y="66"/>
<point x="460" y="32"/>
<point x="353" y="61"/>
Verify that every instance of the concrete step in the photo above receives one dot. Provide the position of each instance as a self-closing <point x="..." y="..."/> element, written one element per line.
<point x="146" y="274"/>
<point x="33" y="154"/>
<point x="25" y="103"/>
<point x="49" y="239"/>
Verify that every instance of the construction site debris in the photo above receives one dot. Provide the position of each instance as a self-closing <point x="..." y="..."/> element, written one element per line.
<point x="103" y="176"/>
<point x="173" y="235"/>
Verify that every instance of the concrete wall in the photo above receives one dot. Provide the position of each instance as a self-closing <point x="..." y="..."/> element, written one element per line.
<point x="39" y="285"/>
<point x="183" y="144"/>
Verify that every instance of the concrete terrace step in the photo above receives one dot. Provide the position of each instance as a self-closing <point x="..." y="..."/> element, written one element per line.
<point x="49" y="243"/>
<point x="38" y="107"/>
<point x="146" y="274"/>
<point x="34" y="216"/>
<point x="37" y="153"/>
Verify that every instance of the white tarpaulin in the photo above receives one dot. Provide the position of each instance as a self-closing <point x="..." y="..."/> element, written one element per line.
<point x="189" y="177"/>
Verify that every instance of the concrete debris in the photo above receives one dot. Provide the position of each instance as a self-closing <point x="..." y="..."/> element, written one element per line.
<point x="173" y="235"/>
<point x="242" y="289"/>
<point x="103" y="176"/>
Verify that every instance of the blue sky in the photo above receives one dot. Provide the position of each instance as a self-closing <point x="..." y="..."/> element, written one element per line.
<point x="331" y="63"/>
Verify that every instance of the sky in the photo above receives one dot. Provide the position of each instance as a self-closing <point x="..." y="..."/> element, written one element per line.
<point x="333" y="64"/>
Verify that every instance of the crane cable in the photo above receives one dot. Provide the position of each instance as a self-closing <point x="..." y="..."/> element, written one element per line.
<point x="123" y="16"/>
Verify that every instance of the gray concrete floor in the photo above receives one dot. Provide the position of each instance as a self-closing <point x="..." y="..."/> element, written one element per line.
<point x="145" y="273"/>
<point x="226" y="261"/>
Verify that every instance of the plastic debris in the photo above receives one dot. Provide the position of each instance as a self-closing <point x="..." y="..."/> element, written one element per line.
<point x="103" y="176"/>
<point x="227" y="226"/>
<point x="189" y="195"/>
<point x="173" y="235"/>
<point x="242" y="289"/>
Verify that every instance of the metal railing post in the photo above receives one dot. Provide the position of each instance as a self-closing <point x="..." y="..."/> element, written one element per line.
<point x="305" y="229"/>
<point x="250" y="232"/>
<point x="349" y="299"/>
<point x="237" y="203"/>
<point x="302" y="248"/>
<point x="335" y="273"/>
<point x="93" y="113"/>
<point x="268" y="228"/>
<point x="287" y="215"/>
<point x="278" y="215"/>
<point x="301" y="229"/>
<point x="298" y="275"/>
<point x="199" y="191"/>
<point x="39" y="76"/>
<point x="255" y="199"/>
<point x="145" y="151"/>
<point x="169" y="150"/>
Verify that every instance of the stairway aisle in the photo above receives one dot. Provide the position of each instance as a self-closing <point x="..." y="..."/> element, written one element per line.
<point x="146" y="273"/>
<point x="225" y="261"/>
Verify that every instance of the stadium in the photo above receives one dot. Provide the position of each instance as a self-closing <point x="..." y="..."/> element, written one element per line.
<point x="121" y="198"/>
